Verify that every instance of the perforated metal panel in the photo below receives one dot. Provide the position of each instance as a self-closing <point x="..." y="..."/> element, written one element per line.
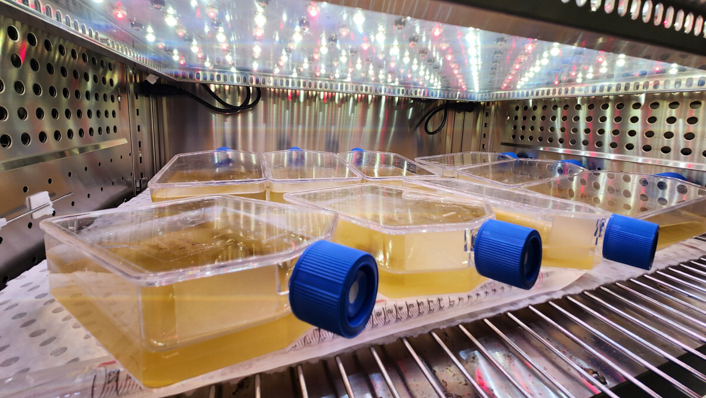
<point x="651" y="129"/>
<point x="63" y="129"/>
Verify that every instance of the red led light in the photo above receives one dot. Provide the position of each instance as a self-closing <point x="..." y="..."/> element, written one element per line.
<point x="313" y="10"/>
<point x="657" y="69"/>
<point x="258" y="32"/>
<point x="449" y="57"/>
<point x="119" y="12"/>
<point x="365" y="45"/>
<point x="316" y="55"/>
<point x="600" y="59"/>
<point x="436" y="31"/>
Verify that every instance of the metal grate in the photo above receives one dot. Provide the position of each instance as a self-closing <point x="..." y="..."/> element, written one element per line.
<point x="63" y="129"/>
<point x="640" y="337"/>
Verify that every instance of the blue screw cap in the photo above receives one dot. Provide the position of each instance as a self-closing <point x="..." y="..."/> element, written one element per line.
<point x="295" y="148"/>
<point x="572" y="161"/>
<point x="630" y="241"/>
<point x="223" y="148"/>
<point x="334" y="287"/>
<point x="508" y="253"/>
<point x="357" y="150"/>
<point x="510" y="154"/>
<point x="672" y="174"/>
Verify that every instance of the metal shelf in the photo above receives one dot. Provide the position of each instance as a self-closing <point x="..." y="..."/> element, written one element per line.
<point x="343" y="48"/>
<point x="640" y="337"/>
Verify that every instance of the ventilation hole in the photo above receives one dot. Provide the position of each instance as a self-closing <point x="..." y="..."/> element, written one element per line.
<point x="605" y="106"/>
<point x="602" y="119"/>
<point x="577" y="107"/>
<point x="553" y="118"/>
<point x="107" y="115"/>
<point x="585" y="142"/>
<point x="689" y="136"/>
<point x="26" y="139"/>
<point x="654" y="105"/>
<point x="105" y="97"/>
<point x="62" y="49"/>
<point x="649" y="133"/>
<point x="47" y="45"/>
<point x="668" y="135"/>
<point x="674" y="105"/>
<point x="618" y="119"/>
<point x="74" y="54"/>
<point x="692" y="120"/>
<point x="49" y="181"/>
<point x="646" y="148"/>
<point x="666" y="149"/>
<point x="115" y="115"/>
<point x="629" y="147"/>
<point x="662" y="185"/>
<point x="16" y="60"/>
<point x="57" y="135"/>
<point x="13" y="33"/>
<point x="89" y="113"/>
<point x="37" y="89"/>
<point x="50" y="69"/>
<point x="31" y="39"/>
<point x="651" y="120"/>
<point x="70" y="134"/>
<point x="77" y="94"/>
<point x="42" y="137"/>
<point x="576" y="119"/>
<point x="97" y="97"/>
<point x="627" y="193"/>
<point x="695" y="105"/>
<point x="22" y="113"/>
<point x="5" y="141"/>
<point x="52" y="91"/>
<point x="90" y="131"/>
<point x="3" y="113"/>
<point x="67" y="113"/>
<point x="65" y="92"/>
<point x="588" y="118"/>
<point x="561" y="140"/>
<point x="599" y="144"/>
<point x="34" y="64"/>
<point x="79" y="113"/>
<point x="587" y="131"/>
<point x="55" y="113"/>
<point x="564" y="118"/>
<point x="81" y="133"/>
<point x="84" y="58"/>
<point x="613" y="145"/>
<point x="619" y="105"/>
<point x="591" y="106"/>
<point x="634" y="119"/>
<point x="87" y="78"/>
<point x="574" y="130"/>
<point x="550" y="140"/>
<point x="2" y="86"/>
<point x="19" y="87"/>
<point x="600" y="131"/>
<point x="572" y="141"/>
<point x="76" y="75"/>
<point x="671" y="120"/>
<point x="64" y="71"/>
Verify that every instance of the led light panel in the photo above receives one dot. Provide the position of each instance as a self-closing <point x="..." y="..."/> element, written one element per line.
<point x="297" y="44"/>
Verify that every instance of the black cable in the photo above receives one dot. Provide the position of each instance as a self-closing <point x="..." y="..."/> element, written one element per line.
<point x="227" y="105"/>
<point x="426" y="119"/>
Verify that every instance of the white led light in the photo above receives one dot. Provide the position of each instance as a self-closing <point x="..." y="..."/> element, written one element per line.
<point x="207" y="63"/>
<point x="323" y="68"/>
<point x="545" y="61"/>
<point x="150" y="35"/>
<point x="358" y="64"/>
<point x="260" y="19"/>
<point x="229" y="58"/>
<point x="589" y="75"/>
<point x="323" y="49"/>
<point x="170" y="17"/>
<point x="555" y="51"/>
<point x="406" y="57"/>
<point x="255" y="65"/>
<point x="297" y="37"/>
<point x="603" y="70"/>
<point x="358" y="18"/>
<point x="380" y="37"/>
<point x="276" y="70"/>
<point x="343" y="58"/>
<point x="194" y="46"/>
<point x="673" y="70"/>
<point x="221" y="37"/>
<point x="579" y="80"/>
<point x="305" y="65"/>
<point x="620" y="62"/>
<point x="256" y="49"/>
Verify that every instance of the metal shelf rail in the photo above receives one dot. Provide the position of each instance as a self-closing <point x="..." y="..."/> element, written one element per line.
<point x="641" y="337"/>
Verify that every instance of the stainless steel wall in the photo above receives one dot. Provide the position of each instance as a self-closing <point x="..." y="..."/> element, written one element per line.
<point x="64" y="129"/>
<point x="649" y="132"/>
<point x="311" y="120"/>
